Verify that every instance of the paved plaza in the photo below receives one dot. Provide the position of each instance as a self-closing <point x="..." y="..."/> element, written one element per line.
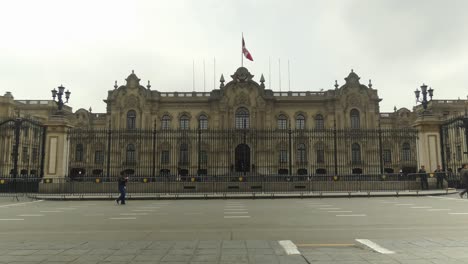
<point x="429" y="229"/>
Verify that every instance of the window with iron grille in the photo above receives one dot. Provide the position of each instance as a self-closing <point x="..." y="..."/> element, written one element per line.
<point x="79" y="153"/>
<point x="131" y="119"/>
<point x="203" y="157"/>
<point x="184" y="155"/>
<point x="301" y="153"/>
<point x="355" y="119"/>
<point x="387" y="156"/>
<point x="242" y="118"/>
<point x="319" y="122"/>
<point x="459" y="153"/>
<point x="35" y="155"/>
<point x="356" y="153"/>
<point x="203" y="122"/>
<point x="166" y="122"/>
<point x="320" y="152"/>
<point x="165" y="156"/>
<point x="300" y="122"/>
<point x="283" y="156"/>
<point x="131" y="153"/>
<point x="25" y="155"/>
<point x="448" y="153"/>
<point x="99" y="157"/>
<point x="406" y="148"/>
<point x="282" y="122"/>
<point x="184" y="122"/>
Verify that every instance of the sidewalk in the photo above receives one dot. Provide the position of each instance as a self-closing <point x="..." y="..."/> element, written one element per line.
<point x="162" y="196"/>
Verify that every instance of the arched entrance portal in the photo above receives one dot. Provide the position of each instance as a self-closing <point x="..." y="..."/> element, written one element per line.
<point x="242" y="158"/>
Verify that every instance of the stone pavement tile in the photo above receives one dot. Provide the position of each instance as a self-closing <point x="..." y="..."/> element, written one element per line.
<point x="415" y="261"/>
<point x="317" y="257"/>
<point x="100" y="251"/>
<point x="59" y="258"/>
<point x="27" y="262"/>
<point x="234" y="251"/>
<point x="403" y="256"/>
<point x="148" y="257"/>
<point x="346" y="256"/>
<point x="75" y="252"/>
<point x="138" y="244"/>
<point x="181" y="252"/>
<point x="233" y="244"/>
<point x="374" y="256"/>
<point x="48" y="251"/>
<point x="209" y="244"/>
<point x="387" y="261"/>
<point x="78" y="261"/>
<point x="205" y="258"/>
<point x="207" y="251"/>
<point x="257" y="244"/>
<point x="445" y="261"/>
<point x="127" y="251"/>
<point x="22" y="252"/>
<point x="262" y="251"/>
<point x="185" y="245"/>
<point x="154" y="251"/>
<point x="120" y="258"/>
<point x="267" y="259"/>
<point x="160" y="245"/>
<point x="175" y="258"/>
<point x="279" y="250"/>
<point x="91" y="258"/>
<point x="292" y="259"/>
<point x="234" y="258"/>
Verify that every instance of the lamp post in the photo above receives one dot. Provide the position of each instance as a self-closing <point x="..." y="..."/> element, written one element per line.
<point x="424" y="92"/>
<point x="59" y="94"/>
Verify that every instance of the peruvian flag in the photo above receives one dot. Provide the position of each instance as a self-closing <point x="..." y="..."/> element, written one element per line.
<point x="245" y="51"/>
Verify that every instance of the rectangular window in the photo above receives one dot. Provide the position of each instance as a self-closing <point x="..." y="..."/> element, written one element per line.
<point x="387" y="156"/>
<point x="300" y="123"/>
<point x="320" y="156"/>
<point x="203" y="157"/>
<point x="459" y="153"/>
<point x="203" y="124"/>
<point x="25" y="155"/>
<point x="282" y="124"/>
<point x="283" y="156"/>
<point x="165" y="157"/>
<point x="166" y="124"/>
<point x="242" y="122"/>
<point x="99" y="157"/>
<point x="184" y="124"/>
<point x="35" y="155"/>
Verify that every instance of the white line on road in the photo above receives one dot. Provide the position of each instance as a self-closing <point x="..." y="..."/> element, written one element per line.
<point x="403" y="204"/>
<point x="289" y="247"/>
<point x="421" y="207"/>
<point x="134" y="214"/>
<point x="122" y="218"/>
<point x="66" y="208"/>
<point x="353" y="215"/>
<point x="375" y="246"/>
<point x="31" y="215"/>
<point x="236" y="212"/>
<point x="234" y="209"/>
<point x="237" y="216"/>
<point x="339" y="211"/>
<point x="432" y="210"/>
<point x="51" y="211"/>
<point x="329" y="208"/>
<point x="141" y="210"/>
<point x="458" y="213"/>
<point x="12" y="219"/>
<point x="6" y="205"/>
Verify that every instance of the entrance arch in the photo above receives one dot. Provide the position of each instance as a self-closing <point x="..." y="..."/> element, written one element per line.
<point x="242" y="158"/>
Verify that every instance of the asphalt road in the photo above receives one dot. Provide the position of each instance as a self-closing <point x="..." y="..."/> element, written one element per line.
<point x="309" y="223"/>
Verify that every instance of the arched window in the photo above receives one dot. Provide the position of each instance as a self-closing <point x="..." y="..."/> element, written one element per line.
<point x="131" y="153"/>
<point x="301" y="153"/>
<point x="184" y="122"/>
<point x="184" y="155"/>
<point x="300" y="121"/>
<point x="166" y="122"/>
<point x="406" y="149"/>
<point x="319" y="122"/>
<point x="320" y="152"/>
<point x="356" y="153"/>
<point x="131" y="119"/>
<point x="282" y="122"/>
<point x="242" y="118"/>
<point x="79" y="152"/>
<point x="355" y="119"/>
<point x="203" y="122"/>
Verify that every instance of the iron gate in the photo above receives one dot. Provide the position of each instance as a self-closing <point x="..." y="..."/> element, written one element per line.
<point x="454" y="143"/>
<point x="22" y="148"/>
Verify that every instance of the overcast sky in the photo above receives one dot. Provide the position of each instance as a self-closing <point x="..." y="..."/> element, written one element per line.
<point x="87" y="44"/>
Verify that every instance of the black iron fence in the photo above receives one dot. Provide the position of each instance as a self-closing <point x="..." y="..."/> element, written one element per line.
<point x="240" y="152"/>
<point x="454" y="143"/>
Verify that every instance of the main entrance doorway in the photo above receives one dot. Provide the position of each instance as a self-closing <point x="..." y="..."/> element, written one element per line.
<point x="242" y="158"/>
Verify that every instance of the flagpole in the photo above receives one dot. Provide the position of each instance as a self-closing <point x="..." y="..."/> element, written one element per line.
<point x="204" y="78"/>
<point x="214" y="73"/>
<point x="242" y="52"/>
<point x="193" y="75"/>
<point x="289" y="78"/>
<point x="269" y="72"/>
<point x="279" y="71"/>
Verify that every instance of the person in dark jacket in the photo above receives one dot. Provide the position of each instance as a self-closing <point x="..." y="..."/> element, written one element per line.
<point x="464" y="178"/>
<point x="423" y="177"/>
<point x="122" y="189"/>
<point x="440" y="175"/>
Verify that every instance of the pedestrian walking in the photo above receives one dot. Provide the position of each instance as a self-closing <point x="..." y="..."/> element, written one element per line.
<point x="440" y="175"/>
<point x="122" y="189"/>
<point x="464" y="179"/>
<point x="423" y="177"/>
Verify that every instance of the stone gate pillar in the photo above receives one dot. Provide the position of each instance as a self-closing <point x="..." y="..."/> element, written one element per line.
<point x="428" y="143"/>
<point x="57" y="147"/>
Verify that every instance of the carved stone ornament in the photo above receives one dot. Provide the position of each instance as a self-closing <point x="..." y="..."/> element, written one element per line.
<point x="242" y="75"/>
<point x="132" y="101"/>
<point x="242" y="99"/>
<point x="354" y="100"/>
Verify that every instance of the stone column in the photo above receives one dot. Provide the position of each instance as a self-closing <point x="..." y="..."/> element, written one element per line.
<point x="57" y="147"/>
<point x="428" y="143"/>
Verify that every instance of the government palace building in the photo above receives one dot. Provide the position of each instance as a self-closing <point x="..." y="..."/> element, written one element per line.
<point x="241" y="129"/>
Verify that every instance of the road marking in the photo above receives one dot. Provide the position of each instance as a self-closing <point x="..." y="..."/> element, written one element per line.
<point x="339" y="211"/>
<point x="326" y="245"/>
<point x="31" y="215"/>
<point x="66" y="208"/>
<point x="236" y="212"/>
<point x="122" y="218"/>
<point x="374" y="246"/>
<point x="234" y="209"/>
<point x="328" y="208"/>
<point x="421" y="207"/>
<point x="458" y="213"/>
<point x="16" y="204"/>
<point x="289" y="247"/>
<point x="236" y="216"/>
<point x="324" y="205"/>
<point x="134" y="214"/>
<point x="12" y="219"/>
<point x="403" y="204"/>
<point x="353" y="215"/>
<point x="432" y="210"/>
<point x="50" y="211"/>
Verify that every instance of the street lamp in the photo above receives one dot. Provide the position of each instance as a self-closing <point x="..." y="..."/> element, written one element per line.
<point x="424" y="92"/>
<point x="59" y="94"/>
